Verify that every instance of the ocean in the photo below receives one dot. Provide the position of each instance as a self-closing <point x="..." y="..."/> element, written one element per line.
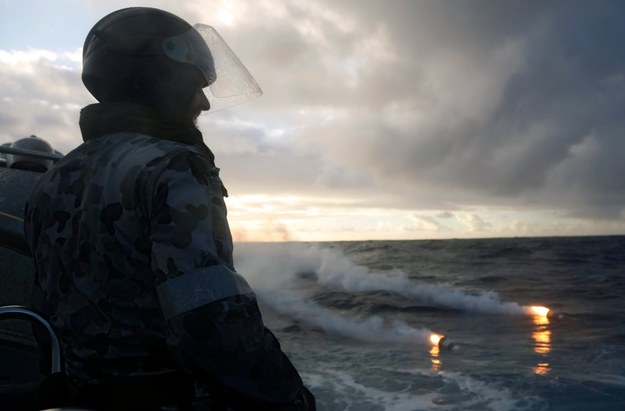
<point x="356" y="320"/>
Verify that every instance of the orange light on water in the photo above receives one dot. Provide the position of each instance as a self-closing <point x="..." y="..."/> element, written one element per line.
<point x="434" y="357"/>
<point x="542" y="368"/>
<point x="541" y="337"/>
<point x="542" y="340"/>
<point x="435" y="351"/>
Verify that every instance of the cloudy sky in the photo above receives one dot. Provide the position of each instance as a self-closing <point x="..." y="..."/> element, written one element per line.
<point x="380" y="119"/>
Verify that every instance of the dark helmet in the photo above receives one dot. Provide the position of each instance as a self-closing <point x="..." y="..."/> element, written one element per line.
<point x="145" y="56"/>
<point x="29" y="162"/>
<point x="152" y="57"/>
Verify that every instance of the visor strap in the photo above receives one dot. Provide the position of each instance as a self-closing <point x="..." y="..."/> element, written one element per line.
<point x="198" y="288"/>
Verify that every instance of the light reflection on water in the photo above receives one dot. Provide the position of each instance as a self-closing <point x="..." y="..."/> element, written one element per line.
<point x="542" y="343"/>
<point x="435" y="358"/>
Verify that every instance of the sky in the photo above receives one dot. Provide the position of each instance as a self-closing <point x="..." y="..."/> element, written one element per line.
<point x="380" y="119"/>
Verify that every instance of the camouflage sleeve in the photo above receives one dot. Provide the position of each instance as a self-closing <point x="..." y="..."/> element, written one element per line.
<point x="215" y="326"/>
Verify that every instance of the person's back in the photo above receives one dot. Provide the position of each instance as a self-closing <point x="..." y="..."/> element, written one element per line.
<point x="90" y="223"/>
<point x="134" y="260"/>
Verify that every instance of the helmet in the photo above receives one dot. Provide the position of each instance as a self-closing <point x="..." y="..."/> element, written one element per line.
<point x="149" y="56"/>
<point x="30" y="162"/>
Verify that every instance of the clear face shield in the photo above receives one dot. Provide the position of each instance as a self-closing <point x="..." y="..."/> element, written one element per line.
<point x="228" y="81"/>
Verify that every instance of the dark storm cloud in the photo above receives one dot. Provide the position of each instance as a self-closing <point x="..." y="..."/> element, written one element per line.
<point x="570" y="93"/>
<point x="483" y="102"/>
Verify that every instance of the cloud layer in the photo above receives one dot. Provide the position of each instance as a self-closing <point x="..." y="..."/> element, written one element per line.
<point x="461" y="107"/>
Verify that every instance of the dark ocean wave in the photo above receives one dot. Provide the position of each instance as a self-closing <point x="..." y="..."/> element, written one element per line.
<point x="508" y="253"/>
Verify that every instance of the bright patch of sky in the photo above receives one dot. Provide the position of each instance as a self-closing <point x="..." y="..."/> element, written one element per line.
<point x="56" y="26"/>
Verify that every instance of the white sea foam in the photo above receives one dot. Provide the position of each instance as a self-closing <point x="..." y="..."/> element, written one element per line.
<point x="350" y="394"/>
<point x="428" y="390"/>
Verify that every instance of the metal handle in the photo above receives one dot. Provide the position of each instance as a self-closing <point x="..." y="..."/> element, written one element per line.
<point x="30" y="153"/>
<point x="13" y="311"/>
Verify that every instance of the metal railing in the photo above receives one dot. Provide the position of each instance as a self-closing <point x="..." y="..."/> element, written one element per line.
<point x="19" y="312"/>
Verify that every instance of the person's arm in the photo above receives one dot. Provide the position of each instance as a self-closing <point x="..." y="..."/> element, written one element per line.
<point x="216" y="329"/>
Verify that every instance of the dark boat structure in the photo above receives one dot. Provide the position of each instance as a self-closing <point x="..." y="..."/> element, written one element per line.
<point x="20" y="168"/>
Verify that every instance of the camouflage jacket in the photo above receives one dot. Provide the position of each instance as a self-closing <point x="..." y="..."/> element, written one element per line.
<point x="134" y="263"/>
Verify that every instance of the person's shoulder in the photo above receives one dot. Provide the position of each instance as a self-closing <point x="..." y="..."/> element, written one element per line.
<point x="143" y="145"/>
<point x="193" y="161"/>
<point x="165" y="157"/>
<point x="171" y="148"/>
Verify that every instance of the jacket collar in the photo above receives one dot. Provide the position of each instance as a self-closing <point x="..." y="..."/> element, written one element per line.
<point x="104" y="118"/>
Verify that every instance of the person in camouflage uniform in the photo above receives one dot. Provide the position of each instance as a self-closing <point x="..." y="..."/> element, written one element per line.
<point x="133" y="252"/>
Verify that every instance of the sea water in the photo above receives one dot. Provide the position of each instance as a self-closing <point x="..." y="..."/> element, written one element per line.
<point x="356" y="319"/>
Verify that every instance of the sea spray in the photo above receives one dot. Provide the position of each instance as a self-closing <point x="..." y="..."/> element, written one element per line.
<point x="373" y="329"/>
<point x="276" y="266"/>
